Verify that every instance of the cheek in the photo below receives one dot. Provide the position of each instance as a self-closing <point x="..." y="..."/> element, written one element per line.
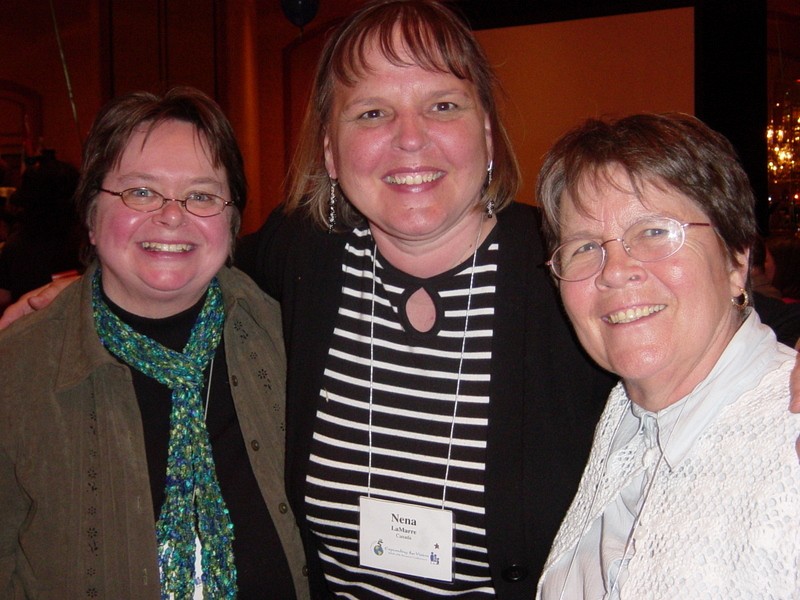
<point x="699" y="277"/>
<point x="359" y="162"/>
<point x="466" y="146"/>
<point x="576" y="296"/>
<point x="113" y="229"/>
<point x="361" y="153"/>
<point x="218" y="235"/>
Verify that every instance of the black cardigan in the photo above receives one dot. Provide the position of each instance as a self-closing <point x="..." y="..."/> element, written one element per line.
<point x="545" y="395"/>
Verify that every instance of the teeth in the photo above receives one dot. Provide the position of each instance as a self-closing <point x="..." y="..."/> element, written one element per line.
<point x="634" y="314"/>
<point x="415" y="179"/>
<point x="158" y="247"/>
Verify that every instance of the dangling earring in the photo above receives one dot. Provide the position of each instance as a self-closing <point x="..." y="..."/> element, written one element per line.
<point x="490" y="202"/>
<point x="332" y="206"/>
<point x="742" y="301"/>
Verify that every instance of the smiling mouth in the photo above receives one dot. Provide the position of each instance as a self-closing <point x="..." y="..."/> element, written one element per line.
<point x="633" y="314"/>
<point x="159" y="247"/>
<point x="413" y="178"/>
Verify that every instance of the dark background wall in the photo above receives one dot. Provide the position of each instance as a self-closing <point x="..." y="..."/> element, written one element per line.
<point x="247" y="55"/>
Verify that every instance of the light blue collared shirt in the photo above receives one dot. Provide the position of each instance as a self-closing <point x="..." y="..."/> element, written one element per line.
<point x="656" y="441"/>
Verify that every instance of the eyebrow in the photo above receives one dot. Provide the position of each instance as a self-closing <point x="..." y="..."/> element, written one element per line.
<point x="584" y="234"/>
<point x="580" y="235"/>
<point x="130" y="178"/>
<point x="371" y="100"/>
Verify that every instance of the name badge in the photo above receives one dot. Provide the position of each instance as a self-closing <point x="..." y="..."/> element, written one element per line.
<point x="406" y="539"/>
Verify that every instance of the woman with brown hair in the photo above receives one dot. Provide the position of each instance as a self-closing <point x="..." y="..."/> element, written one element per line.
<point x="142" y="413"/>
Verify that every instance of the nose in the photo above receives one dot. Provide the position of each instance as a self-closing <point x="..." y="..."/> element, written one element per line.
<point x="411" y="134"/>
<point x="171" y="214"/>
<point x="619" y="267"/>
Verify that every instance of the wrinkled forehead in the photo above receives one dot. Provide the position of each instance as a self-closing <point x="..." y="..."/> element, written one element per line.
<point x="585" y="188"/>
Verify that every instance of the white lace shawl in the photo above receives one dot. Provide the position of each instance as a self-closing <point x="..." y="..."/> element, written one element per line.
<point x="724" y="520"/>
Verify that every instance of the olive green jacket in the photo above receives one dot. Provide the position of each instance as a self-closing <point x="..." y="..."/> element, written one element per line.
<point x="76" y="516"/>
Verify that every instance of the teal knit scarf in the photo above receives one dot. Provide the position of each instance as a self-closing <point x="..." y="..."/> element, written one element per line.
<point x="193" y="504"/>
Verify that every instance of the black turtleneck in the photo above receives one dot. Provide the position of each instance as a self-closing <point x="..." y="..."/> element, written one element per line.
<point x="262" y="568"/>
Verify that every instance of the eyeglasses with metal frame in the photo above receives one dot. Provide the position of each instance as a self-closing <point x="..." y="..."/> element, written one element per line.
<point x="648" y="240"/>
<point x="143" y="199"/>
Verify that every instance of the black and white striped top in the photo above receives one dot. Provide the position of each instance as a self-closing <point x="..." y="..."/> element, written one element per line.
<point x="414" y="381"/>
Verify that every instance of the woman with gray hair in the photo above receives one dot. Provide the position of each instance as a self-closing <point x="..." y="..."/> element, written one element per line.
<point x="692" y="488"/>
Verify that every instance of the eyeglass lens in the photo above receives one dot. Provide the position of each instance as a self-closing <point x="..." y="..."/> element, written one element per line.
<point x="147" y="200"/>
<point x="648" y="240"/>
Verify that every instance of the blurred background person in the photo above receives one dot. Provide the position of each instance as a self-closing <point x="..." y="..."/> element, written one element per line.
<point x="783" y="317"/>
<point x="786" y="255"/>
<point x="692" y="489"/>
<point x="762" y="270"/>
<point x="142" y="413"/>
<point x="6" y="226"/>
<point x="48" y="236"/>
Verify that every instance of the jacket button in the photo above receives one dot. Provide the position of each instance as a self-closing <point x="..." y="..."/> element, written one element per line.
<point x="255" y="445"/>
<point x="515" y="573"/>
<point x="283" y="508"/>
<point x="305" y="570"/>
<point x="234" y="380"/>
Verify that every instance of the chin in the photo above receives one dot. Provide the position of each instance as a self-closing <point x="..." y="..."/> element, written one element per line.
<point x="637" y="365"/>
<point x="176" y="283"/>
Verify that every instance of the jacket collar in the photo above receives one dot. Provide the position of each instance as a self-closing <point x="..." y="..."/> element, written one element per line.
<point x="82" y="352"/>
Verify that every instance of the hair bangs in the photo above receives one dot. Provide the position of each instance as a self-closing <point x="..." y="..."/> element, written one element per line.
<point x="405" y="36"/>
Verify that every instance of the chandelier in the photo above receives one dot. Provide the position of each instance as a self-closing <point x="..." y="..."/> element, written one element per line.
<point x="783" y="138"/>
<point x="783" y="163"/>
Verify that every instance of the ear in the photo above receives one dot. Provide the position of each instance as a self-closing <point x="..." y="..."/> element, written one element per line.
<point x="739" y="272"/>
<point x="90" y="219"/>
<point x="487" y="128"/>
<point x="330" y="164"/>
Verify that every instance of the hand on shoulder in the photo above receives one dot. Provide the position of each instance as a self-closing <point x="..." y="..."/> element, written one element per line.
<point x="35" y="300"/>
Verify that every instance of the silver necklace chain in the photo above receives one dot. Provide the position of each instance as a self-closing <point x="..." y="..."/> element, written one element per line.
<point x="208" y="389"/>
<point x="458" y="377"/>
